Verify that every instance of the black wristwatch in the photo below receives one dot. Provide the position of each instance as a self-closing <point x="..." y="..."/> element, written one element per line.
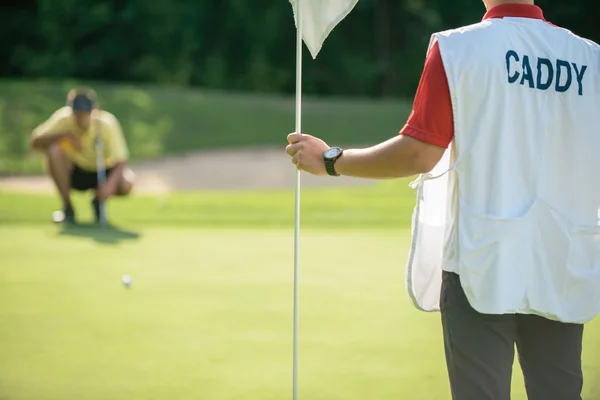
<point x="330" y="157"/>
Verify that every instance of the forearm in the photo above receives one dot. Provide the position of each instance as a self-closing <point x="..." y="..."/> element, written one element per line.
<point x="41" y="142"/>
<point x="112" y="180"/>
<point x="387" y="160"/>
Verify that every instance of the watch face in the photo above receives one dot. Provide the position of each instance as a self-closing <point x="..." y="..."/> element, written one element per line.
<point x="332" y="152"/>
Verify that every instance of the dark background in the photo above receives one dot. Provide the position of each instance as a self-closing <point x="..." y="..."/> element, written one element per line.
<point x="248" y="45"/>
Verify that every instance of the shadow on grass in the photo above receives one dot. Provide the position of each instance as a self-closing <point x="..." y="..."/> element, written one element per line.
<point x="106" y="235"/>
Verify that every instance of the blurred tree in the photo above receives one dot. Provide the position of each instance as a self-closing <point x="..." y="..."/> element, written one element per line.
<point x="239" y="44"/>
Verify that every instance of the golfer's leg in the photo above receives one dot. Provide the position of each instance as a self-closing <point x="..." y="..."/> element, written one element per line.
<point x="126" y="182"/>
<point x="479" y="348"/>
<point x="59" y="168"/>
<point x="124" y="185"/>
<point x="550" y="357"/>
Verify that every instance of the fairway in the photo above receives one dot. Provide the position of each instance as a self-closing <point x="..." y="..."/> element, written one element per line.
<point x="209" y="316"/>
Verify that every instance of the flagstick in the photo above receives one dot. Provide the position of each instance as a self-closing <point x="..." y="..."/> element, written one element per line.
<point x="297" y="201"/>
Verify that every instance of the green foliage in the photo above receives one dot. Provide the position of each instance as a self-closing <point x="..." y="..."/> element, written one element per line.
<point x="161" y="120"/>
<point x="378" y="50"/>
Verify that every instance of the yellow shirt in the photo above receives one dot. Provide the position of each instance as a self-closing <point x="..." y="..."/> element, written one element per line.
<point x="103" y="122"/>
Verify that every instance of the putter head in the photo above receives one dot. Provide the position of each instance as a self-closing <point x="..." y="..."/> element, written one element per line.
<point x="99" y="212"/>
<point x="102" y="219"/>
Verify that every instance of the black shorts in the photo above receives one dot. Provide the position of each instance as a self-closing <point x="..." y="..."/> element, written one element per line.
<point x="83" y="180"/>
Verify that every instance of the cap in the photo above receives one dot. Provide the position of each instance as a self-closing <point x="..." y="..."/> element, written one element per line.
<point x="82" y="103"/>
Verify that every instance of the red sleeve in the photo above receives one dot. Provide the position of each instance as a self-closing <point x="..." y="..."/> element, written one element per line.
<point x="431" y="119"/>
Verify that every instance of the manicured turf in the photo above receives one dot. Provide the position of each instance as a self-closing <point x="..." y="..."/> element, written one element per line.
<point x="209" y="314"/>
<point x="383" y="205"/>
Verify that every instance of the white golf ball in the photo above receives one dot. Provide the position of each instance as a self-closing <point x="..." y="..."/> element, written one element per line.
<point x="127" y="280"/>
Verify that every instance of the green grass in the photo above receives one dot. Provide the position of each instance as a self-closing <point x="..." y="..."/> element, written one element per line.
<point x="384" y="205"/>
<point x="209" y="314"/>
<point x="160" y="120"/>
<point x="209" y="317"/>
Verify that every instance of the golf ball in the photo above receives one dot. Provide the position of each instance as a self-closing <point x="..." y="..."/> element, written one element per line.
<point x="127" y="280"/>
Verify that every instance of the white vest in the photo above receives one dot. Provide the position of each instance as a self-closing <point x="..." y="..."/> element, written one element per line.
<point x="513" y="207"/>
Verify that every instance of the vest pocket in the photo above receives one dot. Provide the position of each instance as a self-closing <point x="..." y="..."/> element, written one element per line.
<point x="541" y="262"/>
<point x="480" y="233"/>
<point x="580" y="296"/>
<point x="496" y="258"/>
<point x="584" y="251"/>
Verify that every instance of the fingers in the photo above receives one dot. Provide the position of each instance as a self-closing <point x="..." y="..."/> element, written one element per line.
<point x="297" y="137"/>
<point x="292" y="149"/>
<point x="296" y="141"/>
<point x="293" y="138"/>
<point x="295" y="151"/>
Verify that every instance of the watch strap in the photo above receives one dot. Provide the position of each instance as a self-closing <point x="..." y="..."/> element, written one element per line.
<point x="330" y="168"/>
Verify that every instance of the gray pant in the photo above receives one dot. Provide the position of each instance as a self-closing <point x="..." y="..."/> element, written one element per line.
<point x="480" y="351"/>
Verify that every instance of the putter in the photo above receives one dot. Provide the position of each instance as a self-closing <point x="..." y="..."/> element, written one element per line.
<point x="101" y="171"/>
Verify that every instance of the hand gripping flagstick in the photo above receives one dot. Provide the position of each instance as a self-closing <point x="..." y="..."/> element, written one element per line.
<point x="315" y="19"/>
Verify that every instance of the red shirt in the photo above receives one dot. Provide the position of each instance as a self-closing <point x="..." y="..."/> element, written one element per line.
<point x="431" y="119"/>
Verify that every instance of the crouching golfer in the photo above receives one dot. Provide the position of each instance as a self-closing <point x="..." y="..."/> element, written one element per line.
<point x="506" y="232"/>
<point x="69" y="140"/>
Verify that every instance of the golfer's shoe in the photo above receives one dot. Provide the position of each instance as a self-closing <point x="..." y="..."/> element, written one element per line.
<point x="66" y="216"/>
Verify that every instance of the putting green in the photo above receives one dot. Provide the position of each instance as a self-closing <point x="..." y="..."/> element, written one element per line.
<point x="209" y="316"/>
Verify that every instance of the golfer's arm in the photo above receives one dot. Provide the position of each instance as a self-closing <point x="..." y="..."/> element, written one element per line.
<point x="43" y="140"/>
<point x="399" y="157"/>
<point x="117" y="172"/>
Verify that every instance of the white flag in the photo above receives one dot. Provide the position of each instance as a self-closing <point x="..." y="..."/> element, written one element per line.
<point x="319" y="17"/>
